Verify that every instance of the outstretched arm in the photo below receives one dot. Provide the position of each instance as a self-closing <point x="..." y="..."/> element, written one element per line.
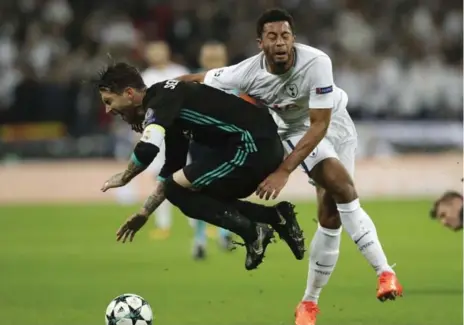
<point x="154" y="200"/>
<point x="133" y="169"/>
<point x="197" y="77"/>
<point x="135" y="222"/>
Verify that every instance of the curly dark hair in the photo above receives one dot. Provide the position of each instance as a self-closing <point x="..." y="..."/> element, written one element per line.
<point x="271" y="16"/>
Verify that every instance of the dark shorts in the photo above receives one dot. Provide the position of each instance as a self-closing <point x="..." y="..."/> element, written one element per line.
<point x="235" y="174"/>
<point x="199" y="151"/>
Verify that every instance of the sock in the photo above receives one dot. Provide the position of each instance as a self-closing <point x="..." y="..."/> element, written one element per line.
<point x="362" y="230"/>
<point x="223" y="232"/>
<point x="323" y="255"/>
<point x="199" y="206"/>
<point x="258" y="212"/>
<point x="200" y="233"/>
<point x="163" y="218"/>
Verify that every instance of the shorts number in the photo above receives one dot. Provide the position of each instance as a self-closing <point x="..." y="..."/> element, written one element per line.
<point x="171" y="84"/>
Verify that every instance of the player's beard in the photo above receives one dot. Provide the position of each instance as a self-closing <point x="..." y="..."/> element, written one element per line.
<point x="278" y="66"/>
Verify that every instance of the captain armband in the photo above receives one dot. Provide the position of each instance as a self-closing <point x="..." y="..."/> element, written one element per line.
<point x="149" y="145"/>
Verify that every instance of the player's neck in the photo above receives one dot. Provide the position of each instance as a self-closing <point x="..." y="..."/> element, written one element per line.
<point x="281" y="69"/>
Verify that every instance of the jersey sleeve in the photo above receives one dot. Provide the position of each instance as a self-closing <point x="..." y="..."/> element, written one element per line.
<point x="164" y="106"/>
<point x="176" y="149"/>
<point x="321" y="84"/>
<point x="226" y="78"/>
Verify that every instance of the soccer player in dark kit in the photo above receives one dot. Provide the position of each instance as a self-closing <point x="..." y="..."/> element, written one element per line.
<point x="245" y="142"/>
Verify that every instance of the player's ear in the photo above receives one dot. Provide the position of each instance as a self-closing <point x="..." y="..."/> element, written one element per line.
<point x="129" y="92"/>
<point x="260" y="43"/>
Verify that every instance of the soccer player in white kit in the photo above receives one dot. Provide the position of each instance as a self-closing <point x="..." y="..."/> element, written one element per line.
<point x="296" y="82"/>
<point x="158" y="55"/>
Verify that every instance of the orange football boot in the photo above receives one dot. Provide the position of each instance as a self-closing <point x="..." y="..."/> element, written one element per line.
<point x="388" y="287"/>
<point x="306" y="313"/>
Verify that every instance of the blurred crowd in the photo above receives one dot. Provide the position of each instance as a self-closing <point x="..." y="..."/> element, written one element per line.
<point x="396" y="59"/>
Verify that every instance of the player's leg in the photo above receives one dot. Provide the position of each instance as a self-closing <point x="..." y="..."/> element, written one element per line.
<point x="335" y="178"/>
<point x="225" y="239"/>
<point x="324" y="247"/>
<point x="199" y="240"/>
<point x="211" y="193"/>
<point x="196" y="152"/>
<point x="242" y="181"/>
<point x="202" y="230"/>
<point x="324" y="167"/>
<point x="163" y="214"/>
<point x="323" y="250"/>
<point x="199" y="205"/>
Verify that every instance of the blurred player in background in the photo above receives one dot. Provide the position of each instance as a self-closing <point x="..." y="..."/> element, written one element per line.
<point x="296" y="82"/>
<point x="448" y="209"/>
<point x="158" y="56"/>
<point x="212" y="55"/>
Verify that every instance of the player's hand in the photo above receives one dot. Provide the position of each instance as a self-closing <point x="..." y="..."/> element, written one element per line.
<point x="272" y="185"/>
<point x="130" y="227"/>
<point x="113" y="182"/>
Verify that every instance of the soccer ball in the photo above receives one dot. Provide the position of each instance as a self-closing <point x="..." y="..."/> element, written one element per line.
<point x="129" y="309"/>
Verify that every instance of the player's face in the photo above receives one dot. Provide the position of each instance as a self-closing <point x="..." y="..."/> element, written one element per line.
<point x="448" y="212"/>
<point x="122" y="105"/>
<point x="157" y="53"/>
<point x="277" y="42"/>
<point x="213" y="56"/>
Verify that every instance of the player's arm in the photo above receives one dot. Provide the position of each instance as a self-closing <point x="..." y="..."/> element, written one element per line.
<point x="176" y="156"/>
<point x="176" y="145"/>
<point x="321" y="102"/>
<point x="196" y="77"/>
<point x="144" y="153"/>
<point x="229" y="78"/>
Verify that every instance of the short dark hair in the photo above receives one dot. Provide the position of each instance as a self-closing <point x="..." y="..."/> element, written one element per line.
<point x="271" y="16"/>
<point x="118" y="76"/>
<point x="445" y="197"/>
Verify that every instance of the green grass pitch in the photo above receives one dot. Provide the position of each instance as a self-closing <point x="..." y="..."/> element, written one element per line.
<point x="61" y="265"/>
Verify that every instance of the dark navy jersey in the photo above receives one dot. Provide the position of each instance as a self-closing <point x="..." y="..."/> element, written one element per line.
<point x="192" y="111"/>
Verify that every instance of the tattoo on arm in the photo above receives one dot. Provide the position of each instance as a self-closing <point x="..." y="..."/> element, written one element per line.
<point x="154" y="200"/>
<point x="132" y="171"/>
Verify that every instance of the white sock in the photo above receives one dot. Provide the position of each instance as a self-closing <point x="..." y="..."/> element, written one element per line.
<point x="362" y="230"/>
<point x="323" y="255"/>
<point x="163" y="218"/>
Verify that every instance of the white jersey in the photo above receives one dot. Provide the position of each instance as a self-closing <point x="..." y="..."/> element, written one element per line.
<point x="307" y="85"/>
<point x="153" y="75"/>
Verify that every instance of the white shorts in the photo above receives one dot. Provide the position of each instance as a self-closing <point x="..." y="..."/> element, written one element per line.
<point x="345" y="152"/>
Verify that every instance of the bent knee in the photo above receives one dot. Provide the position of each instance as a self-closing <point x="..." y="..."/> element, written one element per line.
<point x="327" y="213"/>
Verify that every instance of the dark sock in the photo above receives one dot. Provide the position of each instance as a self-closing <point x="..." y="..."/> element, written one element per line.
<point x="198" y="205"/>
<point x="258" y="212"/>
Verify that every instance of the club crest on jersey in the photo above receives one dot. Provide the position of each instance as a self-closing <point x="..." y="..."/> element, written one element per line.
<point x="324" y="90"/>
<point x="291" y="90"/>
<point x="314" y="153"/>
<point x="149" y="117"/>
